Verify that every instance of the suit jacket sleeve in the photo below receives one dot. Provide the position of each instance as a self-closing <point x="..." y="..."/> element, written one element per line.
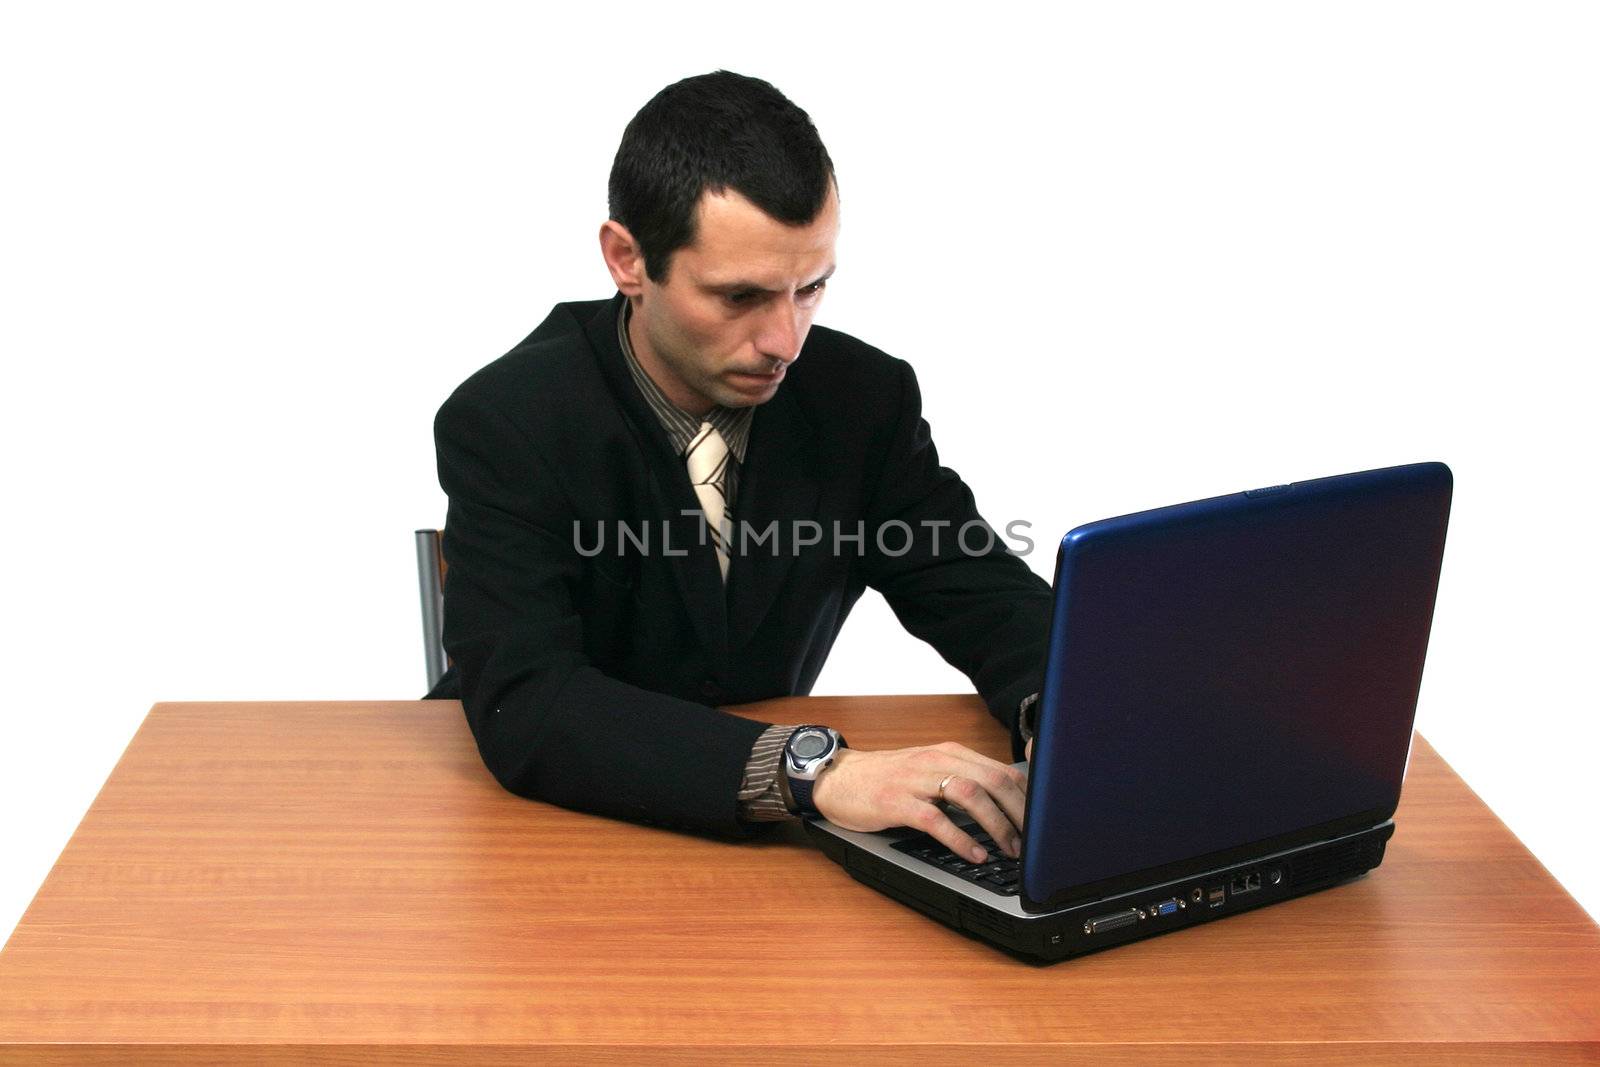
<point x="979" y="606"/>
<point x="548" y="723"/>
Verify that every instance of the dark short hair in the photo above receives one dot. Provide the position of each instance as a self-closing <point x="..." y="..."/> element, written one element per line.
<point x="712" y="133"/>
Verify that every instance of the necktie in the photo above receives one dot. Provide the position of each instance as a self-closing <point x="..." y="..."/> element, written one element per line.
<point x="708" y="473"/>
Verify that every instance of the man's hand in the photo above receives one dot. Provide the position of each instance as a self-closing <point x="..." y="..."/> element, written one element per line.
<point x="868" y="791"/>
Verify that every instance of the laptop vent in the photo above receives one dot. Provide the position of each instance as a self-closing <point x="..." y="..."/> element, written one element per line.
<point x="1341" y="861"/>
<point x="979" y="919"/>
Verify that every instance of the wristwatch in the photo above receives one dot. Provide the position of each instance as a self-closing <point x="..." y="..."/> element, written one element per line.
<point x="810" y="750"/>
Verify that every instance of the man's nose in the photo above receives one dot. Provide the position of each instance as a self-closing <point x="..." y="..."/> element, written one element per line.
<point x="781" y="330"/>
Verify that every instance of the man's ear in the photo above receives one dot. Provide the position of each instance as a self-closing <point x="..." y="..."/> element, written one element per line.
<point x="623" y="257"/>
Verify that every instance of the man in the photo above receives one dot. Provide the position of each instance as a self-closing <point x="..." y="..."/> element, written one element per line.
<point x="671" y="499"/>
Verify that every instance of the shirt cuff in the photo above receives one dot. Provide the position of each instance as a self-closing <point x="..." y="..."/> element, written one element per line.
<point x="1026" y="713"/>
<point x="760" y="796"/>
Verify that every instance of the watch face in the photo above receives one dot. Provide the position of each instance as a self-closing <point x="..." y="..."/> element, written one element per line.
<point x="810" y="745"/>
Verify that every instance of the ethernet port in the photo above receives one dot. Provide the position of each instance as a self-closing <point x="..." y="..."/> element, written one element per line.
<point x="1245" y="883"/>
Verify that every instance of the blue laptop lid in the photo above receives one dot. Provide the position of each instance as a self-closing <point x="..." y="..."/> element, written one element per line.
<point x="1229" y="677"/>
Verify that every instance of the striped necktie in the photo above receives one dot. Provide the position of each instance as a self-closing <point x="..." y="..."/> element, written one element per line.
<point x="708" y="473"/>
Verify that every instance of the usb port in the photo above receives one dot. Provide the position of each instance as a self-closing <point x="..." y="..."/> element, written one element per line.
<point x="1215" y="896"/>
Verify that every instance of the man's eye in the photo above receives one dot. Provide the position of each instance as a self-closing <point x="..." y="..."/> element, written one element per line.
<point x="745" y="297"/>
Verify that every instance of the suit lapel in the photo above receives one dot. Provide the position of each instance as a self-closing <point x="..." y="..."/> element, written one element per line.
<point x="693" y="564"/>
<point x="777" y="484"/>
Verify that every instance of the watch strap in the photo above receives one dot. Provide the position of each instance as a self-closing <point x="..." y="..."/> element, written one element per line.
<point x="800" y="789"/>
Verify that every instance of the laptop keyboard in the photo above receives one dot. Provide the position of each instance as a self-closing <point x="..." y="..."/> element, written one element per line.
<point x="1000" y="875"/>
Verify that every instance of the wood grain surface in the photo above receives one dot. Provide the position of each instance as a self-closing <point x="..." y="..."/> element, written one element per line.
<point x="344" y="882"/>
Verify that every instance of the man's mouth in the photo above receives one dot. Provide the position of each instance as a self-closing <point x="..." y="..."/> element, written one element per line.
<point x="773" y="375"/>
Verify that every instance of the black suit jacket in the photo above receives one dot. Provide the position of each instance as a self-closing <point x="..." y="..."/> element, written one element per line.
<point x="588" y="678"/>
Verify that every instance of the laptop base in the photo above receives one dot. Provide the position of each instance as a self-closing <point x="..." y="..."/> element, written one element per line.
<point x="1114" y="920"/>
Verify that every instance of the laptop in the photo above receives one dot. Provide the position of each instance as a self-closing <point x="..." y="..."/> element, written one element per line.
<point x="1225" y="722"/>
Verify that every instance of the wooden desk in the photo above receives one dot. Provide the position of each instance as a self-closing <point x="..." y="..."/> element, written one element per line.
<point x="339" y="882"/>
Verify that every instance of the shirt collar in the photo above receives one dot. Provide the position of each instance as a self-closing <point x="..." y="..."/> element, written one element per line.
<point x="732" y="423"/>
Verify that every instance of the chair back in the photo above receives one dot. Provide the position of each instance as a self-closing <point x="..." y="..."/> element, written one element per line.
<point x="430" y="581"/>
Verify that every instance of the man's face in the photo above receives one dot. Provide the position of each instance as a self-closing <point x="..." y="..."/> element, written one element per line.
<point x="737" y="304"/>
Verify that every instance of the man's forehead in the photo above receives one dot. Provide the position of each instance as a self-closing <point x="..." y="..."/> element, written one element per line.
<point x="738" y="243"/>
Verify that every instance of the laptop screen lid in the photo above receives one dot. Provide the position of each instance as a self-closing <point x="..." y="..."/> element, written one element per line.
<point x="1230" y="677"/>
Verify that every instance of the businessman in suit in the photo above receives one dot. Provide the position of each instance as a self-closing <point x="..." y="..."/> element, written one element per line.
<point x="671" y="499"/>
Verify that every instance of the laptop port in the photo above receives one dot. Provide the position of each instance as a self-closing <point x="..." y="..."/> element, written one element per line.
<point x="1215" y="896"/>
<point x="1245" y="883"/>
<point x="1166" y="907"/>
<point x="1114" y="921"/>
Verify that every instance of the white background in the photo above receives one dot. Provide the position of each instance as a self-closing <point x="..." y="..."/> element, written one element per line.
<point x="1138" y="253"/>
